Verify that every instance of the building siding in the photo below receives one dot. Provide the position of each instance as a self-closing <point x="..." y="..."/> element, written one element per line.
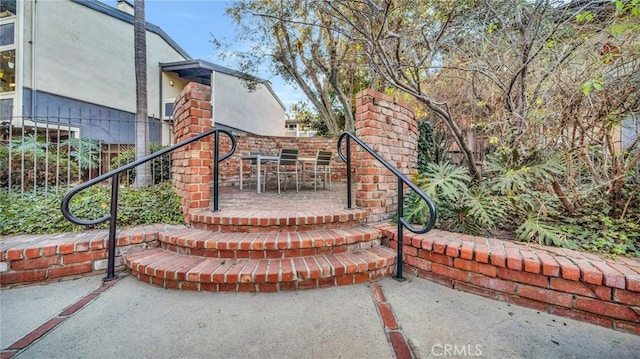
<point x="252" y="111"/>
<point x="90" y="55"/>
<point x="94" y="122"/>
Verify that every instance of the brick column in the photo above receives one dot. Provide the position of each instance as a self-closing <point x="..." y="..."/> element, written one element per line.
<point x="192" y="165"/>
<point x="389" y="127"/>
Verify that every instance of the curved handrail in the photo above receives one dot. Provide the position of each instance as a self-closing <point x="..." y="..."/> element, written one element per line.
<point x="402" y="180"/>
<point x="112" y="215"/>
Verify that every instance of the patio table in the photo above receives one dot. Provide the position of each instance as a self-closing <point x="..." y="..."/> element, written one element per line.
<point x="259" y="159"/>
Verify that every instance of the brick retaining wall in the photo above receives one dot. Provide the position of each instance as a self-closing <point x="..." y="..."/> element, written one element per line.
<point x="572" y="284"/>
<point x="50" y="257"/>
<point x="577" y="285"/>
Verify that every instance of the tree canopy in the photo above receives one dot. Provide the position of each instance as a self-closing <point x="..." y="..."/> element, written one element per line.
<point x="552" y="85"/>
<point x="298" y="41"/>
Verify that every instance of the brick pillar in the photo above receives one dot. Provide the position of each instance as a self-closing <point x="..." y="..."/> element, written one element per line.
<point x="192" y="165"/>
<point x="389" y="127"/>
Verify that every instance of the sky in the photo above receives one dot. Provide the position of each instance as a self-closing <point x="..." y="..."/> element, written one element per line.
<point x="190" y="23"/>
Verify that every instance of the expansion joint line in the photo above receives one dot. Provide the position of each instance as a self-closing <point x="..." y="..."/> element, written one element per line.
<point x="31" y="337"/>
<point x="394" y="333"/>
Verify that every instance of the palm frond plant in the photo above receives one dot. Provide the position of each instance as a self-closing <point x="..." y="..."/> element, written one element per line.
<point x="535" y="229"/>
<point x="509" y="178"/>
<point x="485" y="210"/>
<point x="86" y="153"/>
<point x="444" y="183"/>
<point x="29" y="144"/>
<point x="462" y="206"/>
<point x="526" y="185"/>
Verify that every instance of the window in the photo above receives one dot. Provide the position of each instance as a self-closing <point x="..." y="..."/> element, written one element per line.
<point x="6" y="108"/>
<point x="8" y="71"/>
<point x="6" y="34"/>
<point x="167" y="110"/>
<point x="7" y="8"/>
<point x="7" y="56"/>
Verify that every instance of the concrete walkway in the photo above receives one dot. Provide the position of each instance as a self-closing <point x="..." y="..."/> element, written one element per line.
<point x="131" y="319"/>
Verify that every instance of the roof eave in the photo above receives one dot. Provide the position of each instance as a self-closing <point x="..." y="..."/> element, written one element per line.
<point x="191" y="64"/>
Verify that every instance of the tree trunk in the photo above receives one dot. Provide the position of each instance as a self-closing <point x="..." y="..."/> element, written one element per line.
<point x="458" y="136"/>
<point x="349" y="121"/>
<point x="143" y="172"/>
<point x="562" y="196"/>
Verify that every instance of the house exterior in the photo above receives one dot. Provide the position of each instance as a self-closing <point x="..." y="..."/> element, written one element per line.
<point x="258" y="111"/>
<point x="295" y="128"/>
<point x="67" y="70"/>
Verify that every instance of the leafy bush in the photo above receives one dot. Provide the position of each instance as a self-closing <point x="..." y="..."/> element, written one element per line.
<point x="523" y="183"/>
<point x="42" y="162"/>
<point x="462" y="206"/>
<point x="595" y="229"/>
<point x="40" y="212"/>
<point x="160" y="166"/>
<point x="36" y="167"/>
<point x="426" y="145"/>
<point x="602" y="234"/>
<point x="86" y="153"/>
<point x="517" y="198"/>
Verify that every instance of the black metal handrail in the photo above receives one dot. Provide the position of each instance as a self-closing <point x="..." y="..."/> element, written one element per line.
<point x="402" y="180"/>
<point x="113" y="213"/>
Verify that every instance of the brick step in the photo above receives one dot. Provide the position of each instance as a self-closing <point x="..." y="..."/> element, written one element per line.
<point x="173" y="270"/>
<point x="256" y="245"/>
<point x="252" y="220"/>
<point x="35" y="258"/>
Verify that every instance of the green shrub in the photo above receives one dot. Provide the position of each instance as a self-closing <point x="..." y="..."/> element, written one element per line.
<point x="36" y="167"/>
<point x="36" y="161"/>
<point x="600" y="233"/>
<point x="160" y="166"/>
<point x="40" y="212"/>
<point x="517" y="198"/>
<point x="426" y="145"/>
<point x="462" y="207"/>
<point x="86" y="153"/>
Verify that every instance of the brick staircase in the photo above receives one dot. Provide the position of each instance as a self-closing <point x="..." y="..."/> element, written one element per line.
<point x="249" y="250"/>
<point x="270" y="242"/>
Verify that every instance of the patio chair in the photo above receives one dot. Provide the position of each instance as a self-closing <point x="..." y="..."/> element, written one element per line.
<point x="286" y="165"/>
<point x="321" y="166"/>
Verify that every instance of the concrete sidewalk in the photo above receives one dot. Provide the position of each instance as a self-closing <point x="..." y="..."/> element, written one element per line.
<point x="136" y="320"/>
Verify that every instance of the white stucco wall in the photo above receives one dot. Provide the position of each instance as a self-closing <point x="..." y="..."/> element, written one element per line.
<point x="254" y="111"/>
<point x="169" y="94"/>
<point x="86" y="55"/>
<point x="169" y="91"/>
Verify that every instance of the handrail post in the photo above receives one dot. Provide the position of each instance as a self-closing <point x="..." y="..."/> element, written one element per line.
<point x="114" y="176"/>
<point x="402" y="180"/>
<point x="215" y="171"/>
<point x="400" y="241"/>
<point x="111" y="245"/>
<point x="349" y="173"/>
